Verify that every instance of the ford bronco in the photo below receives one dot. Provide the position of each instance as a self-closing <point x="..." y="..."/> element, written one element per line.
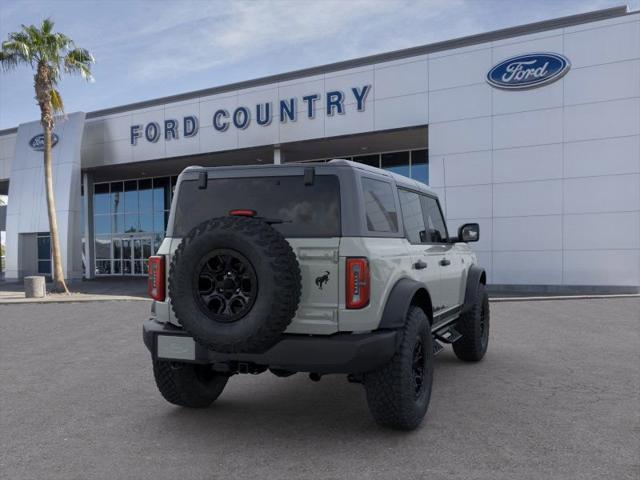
<point x="325" y="268"/>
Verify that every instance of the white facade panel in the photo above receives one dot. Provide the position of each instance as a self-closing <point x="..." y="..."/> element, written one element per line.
<point x="616" y="193"/>
<point x="527" y="268"/>
<point x="527" y="128"/>
<point x="543" y="232"/>
<point x="471" y="168"/>
<point x="602" y="267"/>
<point x="548" y="41"/>
<point x="610" y="156"/>
<point x="399" y="80"/>
<point x="608" y="44"/>
<point x="505" y="101"/>
<point x="351" y="122"/>
<point x="304" y="129"/>
<point x="610" y="81"/>
<point x="602" y="231"/>
<point x="616" y="118"/>
<point x="527" y="198"/>
<point x="457" y="70"/>
<point x="398" y="112"/>
<point x="460" y="103"/>
<point x="345" y="82"/>
<point x="468" y="202"/>
<point x="460" y="136"/>
<point x="541" y="162"/>
<point x="215" y="141"/>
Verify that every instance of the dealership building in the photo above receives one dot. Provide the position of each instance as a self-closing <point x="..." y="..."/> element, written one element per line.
<point x="531" y="131"/>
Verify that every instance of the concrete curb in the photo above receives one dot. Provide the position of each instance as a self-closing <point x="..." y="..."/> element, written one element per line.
<point x="561" y="297"/>
<point x="72" y="299"/>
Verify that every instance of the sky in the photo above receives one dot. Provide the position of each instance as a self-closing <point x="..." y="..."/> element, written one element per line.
<point x="150" y="49"/>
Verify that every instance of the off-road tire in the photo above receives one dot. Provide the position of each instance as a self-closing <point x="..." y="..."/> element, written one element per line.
<point x="277" y="274"/>
<point x="474" y="328"/>
<point x="391" y="393"/>
<point x="188" y="385"/>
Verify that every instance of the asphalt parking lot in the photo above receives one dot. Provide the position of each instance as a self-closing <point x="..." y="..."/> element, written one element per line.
<point x="558" y="396"/>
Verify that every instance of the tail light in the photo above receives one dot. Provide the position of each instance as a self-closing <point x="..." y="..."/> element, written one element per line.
<point x="358" y="286"/>
<point x="155" y="285"/>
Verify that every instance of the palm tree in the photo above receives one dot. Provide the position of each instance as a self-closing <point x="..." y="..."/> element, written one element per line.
<point x="49" y="54"/>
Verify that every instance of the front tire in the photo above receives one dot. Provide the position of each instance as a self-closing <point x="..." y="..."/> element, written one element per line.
<point x="474" y="328"/>
<point x="398" y="394"/>
<point x="188" y="385"/>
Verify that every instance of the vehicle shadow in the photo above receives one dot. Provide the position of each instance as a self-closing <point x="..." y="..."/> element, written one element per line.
<point x="288" y="409"/>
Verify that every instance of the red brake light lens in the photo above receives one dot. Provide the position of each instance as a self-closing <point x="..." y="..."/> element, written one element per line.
<point x="155" y="285"/>
<point x="358" y="283"/>
<point x="241" y="212"/>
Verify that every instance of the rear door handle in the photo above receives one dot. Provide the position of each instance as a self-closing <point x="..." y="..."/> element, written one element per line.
<point x="419" y="265"/>
<point x="444" y="262"/>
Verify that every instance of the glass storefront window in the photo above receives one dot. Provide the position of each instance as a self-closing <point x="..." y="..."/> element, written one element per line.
<point x="101" y="198"/>
<point x="131" y="223"/>
<point x="103" y="247"/>
<point x="145" y="195"/>
<point x="44" y="253"/>
<point x="131" y="215"/>
<point x="131" y="203"/>
<point x="372" y="160"/>
<point x="161" y="196"/>
<point x="420" y="165"/>
<point x="102" y="224"/>
<point x="146" y="222"/>
<point x="116" y="198"/>
<point x="396" y="162"/>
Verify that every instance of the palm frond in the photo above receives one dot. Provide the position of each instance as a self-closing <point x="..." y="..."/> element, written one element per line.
<point x="79" y="61"/>
<point x="9" y="61"/>
<point x="56" y="101"/>
<point x="47" y="26"/>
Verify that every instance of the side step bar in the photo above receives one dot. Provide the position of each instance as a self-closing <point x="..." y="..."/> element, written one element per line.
<point x="448" y="334"/>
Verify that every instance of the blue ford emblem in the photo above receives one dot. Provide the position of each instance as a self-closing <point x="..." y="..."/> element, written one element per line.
<point x="528" y="71"/>
<point x="37" y="142"/>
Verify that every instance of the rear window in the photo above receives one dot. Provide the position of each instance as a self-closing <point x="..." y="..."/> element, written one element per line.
<point x="306" y="210"/>
<point x="380" y="206"/>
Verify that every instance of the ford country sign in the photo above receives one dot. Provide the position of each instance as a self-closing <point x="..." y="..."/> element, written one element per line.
<point x="528" y="71"/>
<point x="37" y="142"/>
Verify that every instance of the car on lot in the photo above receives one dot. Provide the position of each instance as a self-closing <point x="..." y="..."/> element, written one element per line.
<point x="325" y="268"/>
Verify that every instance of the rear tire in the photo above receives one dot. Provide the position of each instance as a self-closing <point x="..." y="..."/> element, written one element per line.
<point x="188" y="385"/>
<point x="398" y="394"/>
<point x="474" y="328"/>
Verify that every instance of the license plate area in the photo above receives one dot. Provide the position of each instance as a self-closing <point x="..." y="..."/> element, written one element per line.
<point x="175" y="347"/>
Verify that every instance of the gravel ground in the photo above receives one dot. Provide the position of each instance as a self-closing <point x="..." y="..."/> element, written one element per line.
<point x="557" y="397"/>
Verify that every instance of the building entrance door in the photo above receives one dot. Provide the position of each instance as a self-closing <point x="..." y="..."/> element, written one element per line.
<point x="130" y="255"/>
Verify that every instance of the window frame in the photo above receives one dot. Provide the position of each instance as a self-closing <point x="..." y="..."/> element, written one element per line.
<point x="444" y="221"/>
<point x="406" y="234"/>
<point x="399" y="233"/>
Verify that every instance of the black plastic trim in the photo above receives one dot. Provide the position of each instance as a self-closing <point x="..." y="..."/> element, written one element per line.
<point x="339" y="353"/>
<point x="471" y="291"/>
<point x="397" y="306"/>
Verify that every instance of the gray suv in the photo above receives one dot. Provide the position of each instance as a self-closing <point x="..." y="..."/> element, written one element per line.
<point x="322" y="268"/>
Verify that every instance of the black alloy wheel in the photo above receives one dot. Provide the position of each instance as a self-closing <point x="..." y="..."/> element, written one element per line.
<point x="225" y="285"/>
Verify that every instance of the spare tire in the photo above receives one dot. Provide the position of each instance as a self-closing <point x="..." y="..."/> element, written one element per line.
<point x="235" y="284"/>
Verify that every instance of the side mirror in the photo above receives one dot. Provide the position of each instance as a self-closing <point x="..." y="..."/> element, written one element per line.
<point x="469" y="232"/>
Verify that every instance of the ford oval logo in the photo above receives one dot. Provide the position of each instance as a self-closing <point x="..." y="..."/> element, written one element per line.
<point x="528" y="71"/>
<point x="37" y="142"/>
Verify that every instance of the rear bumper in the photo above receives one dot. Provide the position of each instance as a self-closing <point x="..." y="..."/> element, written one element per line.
<point x="339" y="353"/>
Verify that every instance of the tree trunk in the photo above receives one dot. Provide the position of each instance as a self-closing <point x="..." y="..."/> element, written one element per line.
<point x="59" y="284"/>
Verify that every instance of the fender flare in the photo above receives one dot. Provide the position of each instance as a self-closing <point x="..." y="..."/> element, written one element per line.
<point x="400" y="299"/>
<point x="475" y="277"/>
